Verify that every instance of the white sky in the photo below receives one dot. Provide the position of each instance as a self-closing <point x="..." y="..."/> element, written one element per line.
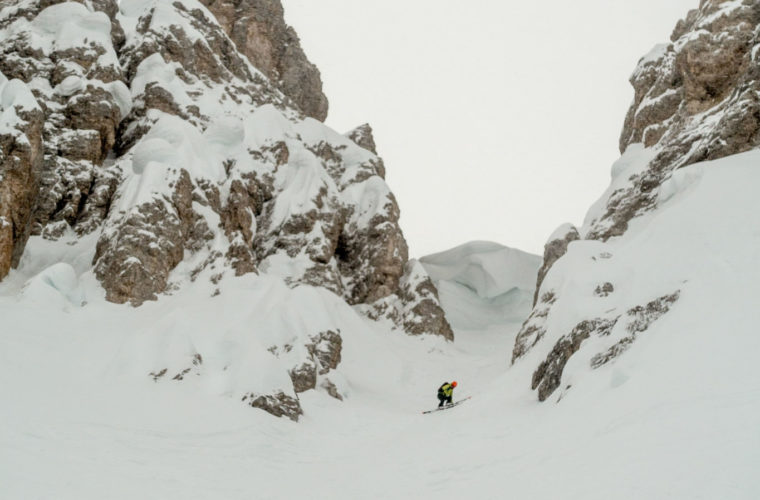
<point x="497" y="120"/>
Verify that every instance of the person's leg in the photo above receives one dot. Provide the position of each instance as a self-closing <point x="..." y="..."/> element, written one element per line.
<point x="441" y="399"/>
<point x="448" y="400"/>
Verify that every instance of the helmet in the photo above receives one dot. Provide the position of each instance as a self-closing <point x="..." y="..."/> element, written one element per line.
<point x="454" y="384"/>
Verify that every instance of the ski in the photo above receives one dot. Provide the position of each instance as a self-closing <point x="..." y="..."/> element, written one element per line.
<point x="452" y="405"/>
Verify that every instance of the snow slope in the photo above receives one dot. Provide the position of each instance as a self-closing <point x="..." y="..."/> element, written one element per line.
<point x="675" y="416"/>
<point x="483" y="284"/>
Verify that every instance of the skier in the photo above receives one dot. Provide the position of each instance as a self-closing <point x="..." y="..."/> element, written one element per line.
<point x="445" y="392"/>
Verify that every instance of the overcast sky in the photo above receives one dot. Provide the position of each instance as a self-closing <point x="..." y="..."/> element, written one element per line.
<point x="497" y="120"/>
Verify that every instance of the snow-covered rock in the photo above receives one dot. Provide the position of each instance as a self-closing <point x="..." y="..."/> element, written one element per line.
<point x="259" y="31"/>
<point x="663" y="246"/>
<point x="554" y="249"/>
<point x="174" y="150"/>
<point x="65" y="53"/>
<point x="678" y="270"/>
<point x="21" y="157"/>
<point x="696" y="99"/>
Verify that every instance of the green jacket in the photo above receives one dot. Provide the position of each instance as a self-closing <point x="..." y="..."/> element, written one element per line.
<point x="446" y="390"/>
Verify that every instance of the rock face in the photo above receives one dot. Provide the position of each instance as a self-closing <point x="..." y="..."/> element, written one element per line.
<point x="696" y="99"/>
<point x="21" y="156"/>
<point x="548" y="375"/>
<point x="76" y="80"/>
<point x="320" y="354"/>
<point x="362" y="136"/>
<point x="553" y="251"/>
<point x="279" y="405"/>
<point x="259" y="31"/>
<point x="181" y="144"/>
<point x="416" y="307"/>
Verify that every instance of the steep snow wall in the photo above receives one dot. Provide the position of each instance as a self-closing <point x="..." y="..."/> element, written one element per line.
<point x="483" y="284"/>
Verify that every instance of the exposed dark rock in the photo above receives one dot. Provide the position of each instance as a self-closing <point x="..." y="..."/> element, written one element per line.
<point x="80" y="115"/>
<point x="196" y="362"/>
<point x="304" y="376"/>
<point x="94" y="110"/>
<point x="374" y="255"/>
<point x="604" y="290"/>
<point x="20" y="162"/>
<point x="553" y="251"/>
<point x="324" y="354"/>
<point x="239" y="221"/>
<point x="548" y="375"/>
<point x="362" y="136"/>
<point x="279" y="404"/>
<point x="331" y="389"/>
<point x="326" y="348"/>
<point x="533" y="328"/>
<point x="134" y="258"/>
<point x="641" y="317"/>
<point x="259" y="31"/>
<point x="157" y="375"/>
<point x="415" y="308"/>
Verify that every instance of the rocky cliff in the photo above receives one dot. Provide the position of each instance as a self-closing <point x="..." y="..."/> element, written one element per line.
<point x="696" y="99"/>
<point x="177" y="137"/>
<point x="259" y="31"/>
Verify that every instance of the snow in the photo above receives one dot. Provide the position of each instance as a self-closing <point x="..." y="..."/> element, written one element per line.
<point x="654" y="54"/>
<point x="370" y="196"/>
<point x="484" y="286"/>
<point x="726" y="8"/>
<point x="121" y="96"/>
<point x="634" y="160"/>
<point x="699" y="243"/>
<point x="70" y="86"/>
<point x="561" y="232"/>
<point x="154" y="69"/>
<point x="172" y="144"/>
<point x="489" y="269"/>
<point x="82" y="419"/>
<point x="14" y="96"/>
<point x="65" y="26"/>
<point x="57" y="285"/>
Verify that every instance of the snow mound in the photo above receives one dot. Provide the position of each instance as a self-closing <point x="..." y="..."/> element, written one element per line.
<point x="489" y="269"/>
<point x="15" y="96"/>
<point x="57" y="285"/>
<point x="483" y="283"/>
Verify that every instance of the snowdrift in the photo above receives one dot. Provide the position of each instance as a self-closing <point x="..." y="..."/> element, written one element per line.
<point x="483" y="284"/>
